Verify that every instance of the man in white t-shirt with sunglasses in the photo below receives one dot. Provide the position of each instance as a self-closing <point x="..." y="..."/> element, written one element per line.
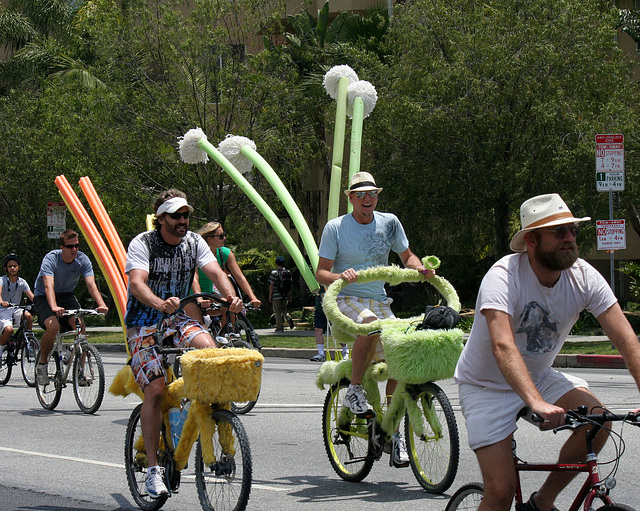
<point x="526" y="307"/>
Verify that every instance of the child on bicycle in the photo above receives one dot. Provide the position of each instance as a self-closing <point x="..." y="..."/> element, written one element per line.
<point x="12" y="288"/>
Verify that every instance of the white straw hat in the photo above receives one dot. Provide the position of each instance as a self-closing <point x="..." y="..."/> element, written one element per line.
<point x="362" y="182"/>
<point x="542" y="211"/>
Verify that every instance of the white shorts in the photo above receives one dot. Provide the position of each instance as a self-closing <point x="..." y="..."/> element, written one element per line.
<point x="359" y="309"/>
<point x="490" y="414"/>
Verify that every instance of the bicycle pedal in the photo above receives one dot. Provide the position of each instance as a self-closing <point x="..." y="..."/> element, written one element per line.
<point x="369" y="414"/>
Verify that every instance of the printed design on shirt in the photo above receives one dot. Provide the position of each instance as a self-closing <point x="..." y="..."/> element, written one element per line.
<point x="376" y="244"/>
<point x="539" y="327"/>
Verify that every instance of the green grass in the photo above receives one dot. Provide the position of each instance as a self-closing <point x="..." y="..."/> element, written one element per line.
<point x="273" y="341"/>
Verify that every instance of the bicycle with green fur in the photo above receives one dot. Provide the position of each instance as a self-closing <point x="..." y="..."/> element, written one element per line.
<point x="416" y="358"/>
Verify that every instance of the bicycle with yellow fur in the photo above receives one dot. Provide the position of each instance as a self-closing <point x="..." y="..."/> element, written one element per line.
<point x="212" y="379"/>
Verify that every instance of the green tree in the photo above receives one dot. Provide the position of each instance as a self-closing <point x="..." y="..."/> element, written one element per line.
<point x="486" y="104"/>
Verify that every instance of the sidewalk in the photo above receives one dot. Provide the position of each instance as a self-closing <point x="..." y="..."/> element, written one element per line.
<point x="580" y="361"/>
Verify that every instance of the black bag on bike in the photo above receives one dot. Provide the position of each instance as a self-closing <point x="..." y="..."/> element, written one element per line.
<point x="437" y="317"/>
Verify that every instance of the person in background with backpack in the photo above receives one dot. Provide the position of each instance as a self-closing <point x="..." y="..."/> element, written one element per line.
<point x="280" y="294"/>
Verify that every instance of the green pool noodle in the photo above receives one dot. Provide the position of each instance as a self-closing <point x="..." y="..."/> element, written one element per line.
<point x="266" y="211"/>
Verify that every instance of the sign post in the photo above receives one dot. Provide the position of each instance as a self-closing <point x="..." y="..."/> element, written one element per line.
<point x="56" y="219"/>
<point x="609" y="177"/>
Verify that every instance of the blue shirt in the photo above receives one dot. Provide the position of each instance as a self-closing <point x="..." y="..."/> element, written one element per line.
<point x="65" y="276"/>
<point x="359" y="246"/>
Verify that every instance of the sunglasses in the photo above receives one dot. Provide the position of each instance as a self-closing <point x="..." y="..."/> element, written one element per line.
<point x="221" y="236"/>
<point x="71" y="247"/>
<point x="561" y="232"/>
<point x="371" y="193"/>
<point x="178" y="215"/>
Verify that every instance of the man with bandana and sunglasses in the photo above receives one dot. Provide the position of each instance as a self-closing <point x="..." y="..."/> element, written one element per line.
<point x="526" y="307"/>
<point x="356" y="241"/>
<point x="161" y="265"/>
<point x="53" y="292"/>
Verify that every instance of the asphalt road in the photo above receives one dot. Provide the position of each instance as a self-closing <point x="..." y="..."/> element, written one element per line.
<point x="67" y="461"/>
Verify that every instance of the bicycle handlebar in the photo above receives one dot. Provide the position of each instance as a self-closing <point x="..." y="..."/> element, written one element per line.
<point x="579" y="417"/>
<point x="18" y="306"/>
<point x="394" y="275"/>
<point x="82" y="313"/>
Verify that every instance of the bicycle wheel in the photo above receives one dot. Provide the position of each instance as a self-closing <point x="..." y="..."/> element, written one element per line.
<point x="177" y="368"/>
<point x="49" y="394"/>
<point x="88" y="378"/>
<point x="28" y="353"/>
<point x="6" y="366"/>
<point x="434" y="455"/>
<point x="135" y="464"/>
<point x="616" y="507"/>
<point x="224" y="482"/>
<point x="243" y="407"/>
<point x="243" y="327"/>
<point x="467" y="498"/>
<point x="345" y="436"/>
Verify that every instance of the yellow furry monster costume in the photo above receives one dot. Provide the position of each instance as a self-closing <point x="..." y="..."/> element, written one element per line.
<point x="211" y="376"/>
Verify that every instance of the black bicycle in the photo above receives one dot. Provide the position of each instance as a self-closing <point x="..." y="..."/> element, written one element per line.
<point x="229" y="330"/>
<point x="23" y="347"/>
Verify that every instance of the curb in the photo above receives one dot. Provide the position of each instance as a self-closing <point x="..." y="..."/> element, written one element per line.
<point x="561" y="361"/>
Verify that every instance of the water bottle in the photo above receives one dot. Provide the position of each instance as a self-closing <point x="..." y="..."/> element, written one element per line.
<point x="175" y="423"/>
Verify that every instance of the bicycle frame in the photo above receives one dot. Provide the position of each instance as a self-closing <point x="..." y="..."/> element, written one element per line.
<point x="593" y="487"/>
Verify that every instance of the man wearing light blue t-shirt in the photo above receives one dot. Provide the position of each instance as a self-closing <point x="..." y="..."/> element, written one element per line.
<point x="353" y="242"/>
<point x="56" y="282"/>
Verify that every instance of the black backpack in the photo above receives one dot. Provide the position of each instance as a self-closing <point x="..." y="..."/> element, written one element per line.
<point x="439" y="317"/>
<point x="284" y="281"/>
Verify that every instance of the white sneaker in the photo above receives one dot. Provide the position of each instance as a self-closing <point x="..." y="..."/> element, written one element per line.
<point x="399" y="454"/>
<point x="355" y="400"/>
<point x="42" y="374"/>
<point x="155" y="483"/>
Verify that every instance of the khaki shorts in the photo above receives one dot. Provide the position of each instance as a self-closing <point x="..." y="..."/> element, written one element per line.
<point x="490" y="414"/>
<point x="359" y="309"/>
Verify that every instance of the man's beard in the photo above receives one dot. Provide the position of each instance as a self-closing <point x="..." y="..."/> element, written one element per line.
<point x="173" y="229"/>
<point x="559" y="259"/>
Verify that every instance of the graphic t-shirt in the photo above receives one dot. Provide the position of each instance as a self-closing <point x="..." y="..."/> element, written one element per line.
<point x="170" y="268"/>
<point x="359" y="246"/>
<point x="65" y="276"/>
<point x="542" y="317"/>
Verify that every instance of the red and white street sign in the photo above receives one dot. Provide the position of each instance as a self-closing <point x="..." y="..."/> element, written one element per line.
<point x="611" y="234"/>
<point x="610" y="163"/>
<point x="56" y="218"/>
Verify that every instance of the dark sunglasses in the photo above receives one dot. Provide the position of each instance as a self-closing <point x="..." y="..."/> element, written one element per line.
<point x="561" y="232"/>
<point x="371" y="193"/>
<point x="221" y="236"/>
<point x="178" y="215"/>
<point x="71" y="247"/>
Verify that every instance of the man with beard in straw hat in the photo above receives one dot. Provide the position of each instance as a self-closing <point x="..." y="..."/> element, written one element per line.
<point x="526" y="307"/>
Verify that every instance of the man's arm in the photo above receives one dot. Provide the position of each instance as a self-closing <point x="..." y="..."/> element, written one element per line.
<point x="410" y="260"/>
<point x="139" y="289"/>
<point x="326" y="277"/>
<point x="90" y="280"/>
<point x="621" y="334"/>
<point x="50" y="293"/>
<point x="223" y="284"/>
<point x="513" y="368"/>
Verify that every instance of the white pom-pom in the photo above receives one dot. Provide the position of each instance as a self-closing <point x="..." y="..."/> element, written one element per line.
<point x="230" y="148"/>
<point x="366" y="91"/>
<point x="332" y="78"/>
<point x="190" y="152"/>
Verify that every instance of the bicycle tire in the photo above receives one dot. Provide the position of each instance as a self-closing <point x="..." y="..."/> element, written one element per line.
<point x="347" y="441"/>
<point x="243" y="327"/>
<point x="177" y="368"/>
<point x="615" y="507"/>
<point x="7" y="364"/>
<point x="28" y="353"/>
<point x="434" y="456"/>
<point x="88" y="378"/>
<point x="466" y="498"/>
<point x="225" y="484"/>
<point x="135" y="466"/>
<point x="49" y="394"/>
<point x="242" y="407"/>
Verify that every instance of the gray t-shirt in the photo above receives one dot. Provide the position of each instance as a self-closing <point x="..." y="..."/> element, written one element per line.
<point x="542" y="317"/>
<point x="359" y="246"/>
<point x="65" y="276"/>
<point x="11" y="292"/>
